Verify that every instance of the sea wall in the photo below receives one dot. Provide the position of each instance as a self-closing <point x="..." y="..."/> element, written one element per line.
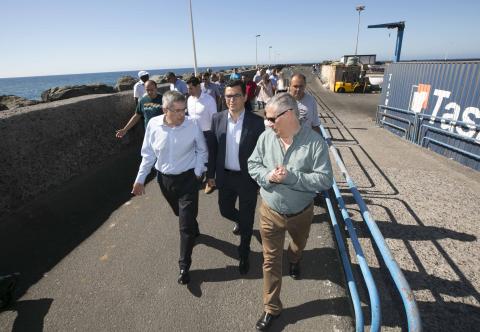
<point x="46" y="145"/>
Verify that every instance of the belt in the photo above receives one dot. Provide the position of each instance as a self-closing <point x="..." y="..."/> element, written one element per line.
<point x="291" y="215"/>
<point x="176" y="175"/>
<point x="232" y="172"/>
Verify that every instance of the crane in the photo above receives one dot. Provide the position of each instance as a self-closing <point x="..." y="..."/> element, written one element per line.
<point x="400" y="26"/>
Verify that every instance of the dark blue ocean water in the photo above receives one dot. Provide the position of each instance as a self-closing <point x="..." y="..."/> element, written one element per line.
<point x="32" y="87"/>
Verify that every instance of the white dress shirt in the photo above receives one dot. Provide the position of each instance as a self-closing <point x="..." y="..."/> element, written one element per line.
<point x="173" y="150"/>
<point x="234" y="132"/>
<point x="201" y="110"/>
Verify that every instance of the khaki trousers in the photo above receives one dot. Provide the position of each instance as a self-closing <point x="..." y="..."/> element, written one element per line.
<point x="272" y="230"/>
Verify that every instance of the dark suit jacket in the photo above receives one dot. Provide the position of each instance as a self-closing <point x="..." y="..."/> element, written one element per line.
<point x="252" y="127"/>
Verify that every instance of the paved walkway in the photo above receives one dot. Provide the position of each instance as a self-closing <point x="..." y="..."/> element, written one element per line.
<point x="92" y="259"/>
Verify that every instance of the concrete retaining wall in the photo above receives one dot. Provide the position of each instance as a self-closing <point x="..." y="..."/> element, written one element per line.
<point x="45" y="145"/>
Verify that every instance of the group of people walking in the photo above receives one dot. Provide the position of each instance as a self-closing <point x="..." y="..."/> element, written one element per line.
<point x="280" y="155"/>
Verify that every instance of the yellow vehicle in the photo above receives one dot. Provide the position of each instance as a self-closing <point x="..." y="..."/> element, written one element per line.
<point x="349" y="87"/>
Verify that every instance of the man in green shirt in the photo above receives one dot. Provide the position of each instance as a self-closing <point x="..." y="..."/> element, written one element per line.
<point x="291" y="164"/>
<point x="149" y="106"/>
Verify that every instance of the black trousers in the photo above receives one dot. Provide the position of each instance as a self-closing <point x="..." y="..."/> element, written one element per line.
<point x="235" y="187"/>
<point x="210" y="140"/>
<point x="181" y="192"/>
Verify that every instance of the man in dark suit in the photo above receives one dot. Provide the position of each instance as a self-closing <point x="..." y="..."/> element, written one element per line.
<point x="234" y="136"/>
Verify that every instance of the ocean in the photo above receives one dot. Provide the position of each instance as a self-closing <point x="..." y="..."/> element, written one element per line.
<point x="32" y="87"/>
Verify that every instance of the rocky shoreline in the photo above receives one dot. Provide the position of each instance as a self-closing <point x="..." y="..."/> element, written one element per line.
<point x="124" y="83"/>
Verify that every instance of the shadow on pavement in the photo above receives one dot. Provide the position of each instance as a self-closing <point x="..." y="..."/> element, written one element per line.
<point x="37" y="237"/>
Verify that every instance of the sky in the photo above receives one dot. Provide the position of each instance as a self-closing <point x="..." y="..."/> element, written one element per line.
<point x="48" y="37"/>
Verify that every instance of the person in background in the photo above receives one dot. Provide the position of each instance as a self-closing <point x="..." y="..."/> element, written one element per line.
<point x="251" y="88"/>
<point x="176" y="84"/>
<point x="258" y="76"/>
<point x="281" y="82"/>
<point x="291" y="164"/>
<point x="176" y="146"/>
<point x="234" y="76"/>
<point x="214" y="78"/>
<point x="273" y="78"/>
<point x="148" y="107"/>
<point x="201" y="107"/>
<point x="264" y="91"/>
<point x="307" y="105"/>
<point x="139" y="87"/>
<point x="221" y="88"/>
<point x="210" y="88"/>
<point x="235" y="133"/>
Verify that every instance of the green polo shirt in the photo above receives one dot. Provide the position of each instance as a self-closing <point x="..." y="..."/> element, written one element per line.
<point x="148" y="107"/>
<point x="308" y="169"/>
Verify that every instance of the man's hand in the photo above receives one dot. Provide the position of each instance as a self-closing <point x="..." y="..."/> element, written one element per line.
<point x="138" y="189"/>
<point x="278" y="174"/>
<point x="120" y="133"/>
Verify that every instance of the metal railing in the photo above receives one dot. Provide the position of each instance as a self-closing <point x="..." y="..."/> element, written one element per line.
<point x="410" y="305"/>
<point x="415" y="133"/>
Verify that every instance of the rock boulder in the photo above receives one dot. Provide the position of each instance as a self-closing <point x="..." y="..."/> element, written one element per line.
<point x="65" y="92"/>
<point x="10" y="102"/>
<point x="125" y="83"/>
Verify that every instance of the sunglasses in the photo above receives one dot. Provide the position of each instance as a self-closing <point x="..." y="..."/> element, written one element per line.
<point x="272" y="120"/>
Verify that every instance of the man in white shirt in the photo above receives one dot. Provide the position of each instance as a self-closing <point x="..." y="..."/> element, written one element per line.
<point x="139" y="87"/>
<point x="307" y="105"/>
<point x="201" y="107"/>
<point x="176" y="146"/>
<point x="176" y="84"/>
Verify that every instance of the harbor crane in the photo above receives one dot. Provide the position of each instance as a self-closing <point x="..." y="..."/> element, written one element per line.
<point x="400" y="26"/>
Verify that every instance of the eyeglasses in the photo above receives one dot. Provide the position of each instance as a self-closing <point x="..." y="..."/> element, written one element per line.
<point x="177" y="111"/>
<point x="237" y="95"/>
<point x="272" y="120"/>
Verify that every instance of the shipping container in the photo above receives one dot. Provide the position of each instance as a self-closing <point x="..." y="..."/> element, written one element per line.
<point x="435" y="104"/>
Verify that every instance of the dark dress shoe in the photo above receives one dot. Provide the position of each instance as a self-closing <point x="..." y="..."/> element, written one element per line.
<point x="265" y="321"/>
<point x="236" y="228"/>
<point x="295" y="270"/>
<point x="183" y="277"/>
<point x="244" y="265"/>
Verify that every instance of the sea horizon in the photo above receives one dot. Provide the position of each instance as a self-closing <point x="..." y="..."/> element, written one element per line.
<point x="31" y="87"/>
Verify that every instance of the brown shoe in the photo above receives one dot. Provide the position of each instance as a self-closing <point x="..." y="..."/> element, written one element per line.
<point x="209" y="189"/>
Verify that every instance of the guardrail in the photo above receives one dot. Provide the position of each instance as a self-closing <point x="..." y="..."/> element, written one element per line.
<point x="418" y="132"/>
<point x="410" y="305"/>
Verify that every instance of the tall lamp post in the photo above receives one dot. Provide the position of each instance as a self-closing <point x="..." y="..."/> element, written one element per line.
<point x="359" y="10"/>
<point x="193" y="41"/>
<point x="269" y="56"/>
<point x="256" y="51"/>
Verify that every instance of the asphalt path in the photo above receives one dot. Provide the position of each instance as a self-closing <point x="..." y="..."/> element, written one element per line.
<point x="93" y="258"/>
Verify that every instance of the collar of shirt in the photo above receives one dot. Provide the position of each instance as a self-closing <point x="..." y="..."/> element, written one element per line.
<point x="165" y="124"/>
<point x="240" y="118"/>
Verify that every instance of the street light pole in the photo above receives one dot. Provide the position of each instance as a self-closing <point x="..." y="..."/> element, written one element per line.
<point x="359" y="10"/>
<point x="256" y="51"/>
<point x="193" y="41"/>
<point x="269" y="56"/>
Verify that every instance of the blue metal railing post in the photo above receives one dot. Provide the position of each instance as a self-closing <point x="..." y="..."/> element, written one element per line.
<point x="357" y="307"/>
<point x="367" y="275"/>
<point x="410" y="305"/>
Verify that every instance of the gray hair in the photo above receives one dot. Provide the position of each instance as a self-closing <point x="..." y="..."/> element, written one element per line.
<point x="282" y="102"/>
<point x="171" y="97"/>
